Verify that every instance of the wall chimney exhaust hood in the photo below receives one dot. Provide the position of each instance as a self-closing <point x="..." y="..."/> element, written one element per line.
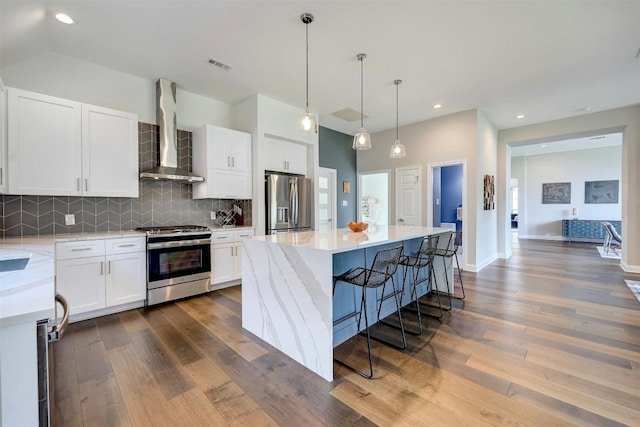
<point x="166" y="118"/>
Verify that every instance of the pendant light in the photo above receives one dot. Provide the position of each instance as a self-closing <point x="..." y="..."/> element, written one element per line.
<point x="308" y="122"/>
<point x="397" y="149"/>
<point x="362" y="140"/>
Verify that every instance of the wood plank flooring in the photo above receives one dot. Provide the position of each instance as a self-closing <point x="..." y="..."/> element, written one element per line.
<point x="549" y="337"/>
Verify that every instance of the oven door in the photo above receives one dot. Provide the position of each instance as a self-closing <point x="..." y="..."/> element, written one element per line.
<point x="174" y="262"/>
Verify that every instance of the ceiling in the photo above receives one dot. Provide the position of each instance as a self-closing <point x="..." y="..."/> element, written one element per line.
<point x="547" y="60"/>
<point x="585" y="143"/>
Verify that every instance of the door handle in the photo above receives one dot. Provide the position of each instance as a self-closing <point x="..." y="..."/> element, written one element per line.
<point x="400" y="220"/>
<point x="101" y="268"/>
<point x="86" y="184"/>
<point x="108" y="267"/>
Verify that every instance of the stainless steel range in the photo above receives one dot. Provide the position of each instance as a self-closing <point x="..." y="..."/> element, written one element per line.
<point x="178" y="262"/>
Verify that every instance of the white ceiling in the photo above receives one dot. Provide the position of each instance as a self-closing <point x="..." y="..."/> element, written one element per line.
<point x="585" y="143"/>
<point x="545" y="59"/>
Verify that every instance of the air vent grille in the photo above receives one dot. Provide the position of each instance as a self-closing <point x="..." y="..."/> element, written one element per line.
<point x="220" y="64"/>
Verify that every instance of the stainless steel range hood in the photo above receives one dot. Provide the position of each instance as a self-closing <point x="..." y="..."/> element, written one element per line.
<point x="166" y="118"/>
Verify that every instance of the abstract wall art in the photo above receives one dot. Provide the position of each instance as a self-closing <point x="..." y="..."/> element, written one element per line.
<point x="601" y="191"/>
<point x="556" y="193"/>
<point x="489" y="191"/>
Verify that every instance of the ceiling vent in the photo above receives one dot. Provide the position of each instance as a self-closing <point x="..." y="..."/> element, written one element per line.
<point x="219" y="64"/>
<point x="349" y="115"/>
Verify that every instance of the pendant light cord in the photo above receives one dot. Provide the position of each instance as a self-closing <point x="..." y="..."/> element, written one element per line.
<point x="397" y="107"/>
<point x="307" y="37"/>
<point x="361" y="92"/>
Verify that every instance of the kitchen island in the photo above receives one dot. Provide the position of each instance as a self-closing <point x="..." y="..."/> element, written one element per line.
<point x="287" y="286"/>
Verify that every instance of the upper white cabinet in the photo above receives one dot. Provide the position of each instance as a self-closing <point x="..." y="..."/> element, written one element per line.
<point x="3" y="140"/>
<point x="59" y="147"/>
<point x="284" y="156"/>
<point x="223" y="157"/>
<point x="109" y="152"/>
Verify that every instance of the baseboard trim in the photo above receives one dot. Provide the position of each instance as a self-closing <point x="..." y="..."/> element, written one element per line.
<point x="502" y="255"/>
<point x="629" y="268"/>
<point x="539" y="237"/>
<point x="477" y="267"/>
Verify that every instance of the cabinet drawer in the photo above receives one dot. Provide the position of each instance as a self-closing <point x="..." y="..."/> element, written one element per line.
<point x="79" y="249"/>
<point x="221" y="237"/>
<point x="126" y="245"/>
<point x="244" y="234"/>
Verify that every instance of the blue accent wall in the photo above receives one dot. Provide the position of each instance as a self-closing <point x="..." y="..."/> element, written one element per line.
<point x="451" y="193"/>
<point x="336" y="153"/>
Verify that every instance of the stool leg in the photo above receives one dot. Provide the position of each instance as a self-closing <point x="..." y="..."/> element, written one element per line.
<point x="404" y="338"/>
<point x="446" y="276"/>
<point x="460" y="277"/>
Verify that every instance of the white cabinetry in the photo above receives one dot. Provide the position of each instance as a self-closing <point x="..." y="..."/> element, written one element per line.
<point x="98" y="274"/>
<point x="223" y="157"/>
<point x="226" y="256"/>
<point x="284" y="156"/>
<point x="59" y="147"/>
<point x="3" y="140"/>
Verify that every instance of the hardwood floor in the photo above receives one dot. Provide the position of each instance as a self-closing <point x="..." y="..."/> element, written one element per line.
<point x="549" y="337"/>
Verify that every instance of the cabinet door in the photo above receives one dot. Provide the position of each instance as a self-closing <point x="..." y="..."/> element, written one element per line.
<point x="3" y="141"/>
<point x="43" y="144"/>
<point x="237" y="261"/>
<point x="82" y="282"/>
<point x="240" y="150"/>
<point x="218" y="155"/>
<point x="109" y="152"/>
<point x="229" y="184"/>
<point x="222" y="263"/>
<point x="126" y="278"/>
<point x="296" y="158"/>
<point x="274" y="155"/>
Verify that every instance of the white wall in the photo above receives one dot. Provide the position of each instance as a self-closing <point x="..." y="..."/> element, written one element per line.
<point x="66" y="77"/>
<point x="486" y="242"/>
<point x="545" y="220"/>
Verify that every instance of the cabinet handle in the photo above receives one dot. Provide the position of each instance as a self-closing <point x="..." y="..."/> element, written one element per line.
<point x="80" y="249"/>
<point x="231" y="250"/>
<point x="108" y="267"/>
<point x="78" y="184"/>
<point x="101" y="268"/>
<point x="233" y="161"/>
<point x="86" y="184"/>
<point x="0" y="176"/>
<point x="127" y="245"/>
<point x="228" y="161"/>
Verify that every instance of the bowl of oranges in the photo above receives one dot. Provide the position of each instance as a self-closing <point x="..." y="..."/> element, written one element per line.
<point x="359" y="226"/>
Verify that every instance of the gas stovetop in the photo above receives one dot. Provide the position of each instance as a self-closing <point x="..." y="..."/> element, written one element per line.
<point x="173" y="230"/>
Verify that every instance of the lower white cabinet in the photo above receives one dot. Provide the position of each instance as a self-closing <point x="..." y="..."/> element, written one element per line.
<point x="226" y="255"/>
<point x="97" y="274"/>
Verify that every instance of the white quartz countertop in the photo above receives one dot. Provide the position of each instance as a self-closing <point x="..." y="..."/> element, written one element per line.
<point x="27" y="295"/>
<point x="343" y="239"/>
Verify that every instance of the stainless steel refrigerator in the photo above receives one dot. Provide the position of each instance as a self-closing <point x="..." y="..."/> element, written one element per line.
<point x="289" y="203"/>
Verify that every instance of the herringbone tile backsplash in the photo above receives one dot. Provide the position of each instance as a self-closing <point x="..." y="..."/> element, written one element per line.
<point x="159" y="204"/>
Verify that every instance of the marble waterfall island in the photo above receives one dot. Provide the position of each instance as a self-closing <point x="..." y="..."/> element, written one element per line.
<point x="287" y="286"/>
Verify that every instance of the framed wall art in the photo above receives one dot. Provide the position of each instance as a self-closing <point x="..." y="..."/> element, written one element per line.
<point x="489" y="192"/>
<point x="556" y="193"/>
<point x="601" y="191"/>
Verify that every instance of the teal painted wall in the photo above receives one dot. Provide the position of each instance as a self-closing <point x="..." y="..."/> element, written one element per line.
<point x="336" y="153"/>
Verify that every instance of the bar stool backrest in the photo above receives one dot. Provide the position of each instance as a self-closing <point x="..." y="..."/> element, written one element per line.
<point x="458" y="240"/>
<point x="385" y="264"/>
<point x="427" y="250"/>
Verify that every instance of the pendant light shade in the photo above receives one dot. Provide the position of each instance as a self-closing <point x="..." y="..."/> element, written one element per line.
<point x="361" y="140"/>
<point x="308" y="122"/>
<point x="397" y="149"/>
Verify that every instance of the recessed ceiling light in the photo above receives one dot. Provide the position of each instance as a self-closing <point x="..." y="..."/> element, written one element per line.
<point x="520" y="116"/>
<point x="436" y="106"/>
<point x="64" y="18"/>
<point x="544" y="145"/>
<point x="584" y="109"/>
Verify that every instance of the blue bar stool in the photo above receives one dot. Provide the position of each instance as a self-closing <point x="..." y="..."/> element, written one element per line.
<point x="385" y="264"/>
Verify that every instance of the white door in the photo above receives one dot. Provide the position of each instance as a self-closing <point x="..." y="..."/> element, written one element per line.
<point x="326" y="199"/>
<point x="408" y="195"/>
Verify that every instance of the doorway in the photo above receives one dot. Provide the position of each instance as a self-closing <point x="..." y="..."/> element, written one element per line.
<point x="373" y="196"/>
<point x="327" y="211"/>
